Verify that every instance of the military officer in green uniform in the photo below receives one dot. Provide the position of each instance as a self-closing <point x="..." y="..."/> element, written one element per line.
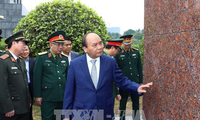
<point x="15" y="99"/>
<point x="111" y="49"/>
<point x="49" y="76"/>
<point x="129" y="62"/>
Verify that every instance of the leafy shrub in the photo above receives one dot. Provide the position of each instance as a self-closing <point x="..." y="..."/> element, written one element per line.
<point x="75" y="18"/>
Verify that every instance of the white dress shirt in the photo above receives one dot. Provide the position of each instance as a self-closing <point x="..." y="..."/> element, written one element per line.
<point x="90" y="64"/>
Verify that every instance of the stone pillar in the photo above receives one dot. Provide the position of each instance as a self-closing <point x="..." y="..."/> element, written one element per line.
<point x="172" y="59"/>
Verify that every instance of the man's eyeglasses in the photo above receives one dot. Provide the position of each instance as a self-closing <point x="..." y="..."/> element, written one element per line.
<point x="58" y="44"/>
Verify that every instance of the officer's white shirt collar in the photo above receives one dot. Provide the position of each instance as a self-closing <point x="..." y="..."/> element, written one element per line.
<point x="15" y="57"/>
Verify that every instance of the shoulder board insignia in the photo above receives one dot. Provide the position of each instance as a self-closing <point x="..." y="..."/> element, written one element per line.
<point x="42" y="53"/>
<point x="64" y="55"/>
<point x="4" y="56"/>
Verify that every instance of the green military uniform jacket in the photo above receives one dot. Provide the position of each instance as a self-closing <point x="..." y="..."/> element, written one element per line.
<point x="115" y="89"/>
<point x="130" y="64"/>
<point x="50" y="76"/>
<point x="14" y="91"/>
<point x="1" y="52"/>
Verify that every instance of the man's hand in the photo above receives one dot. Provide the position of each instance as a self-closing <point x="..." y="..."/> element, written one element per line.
<point x="10" y="114"/>
<point x="118" y="97"/>
<point x="142" y="88"/>
<point x="38" y="101"/>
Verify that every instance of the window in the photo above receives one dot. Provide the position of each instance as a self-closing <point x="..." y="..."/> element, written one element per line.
<point x="15" y="1"/>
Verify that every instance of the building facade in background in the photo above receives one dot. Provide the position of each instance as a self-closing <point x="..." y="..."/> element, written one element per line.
<point x="13" y="11"/>
<point x="113" y="29"/>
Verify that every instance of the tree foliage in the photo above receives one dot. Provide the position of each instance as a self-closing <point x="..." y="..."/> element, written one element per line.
<point x="114" y="35"/>
<point x="75" y="18"/>
<point x="129" y="32"/>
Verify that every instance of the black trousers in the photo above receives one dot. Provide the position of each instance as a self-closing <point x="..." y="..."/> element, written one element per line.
<point x="31" y="92"/>
<point x="24" y="116"/>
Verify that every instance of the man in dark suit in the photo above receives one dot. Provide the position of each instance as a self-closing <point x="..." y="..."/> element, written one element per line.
<point x="67" y="49"/>
<point x="29" y="67"/>
<point x="89" y="82"/>
<point x="15" y="98"/>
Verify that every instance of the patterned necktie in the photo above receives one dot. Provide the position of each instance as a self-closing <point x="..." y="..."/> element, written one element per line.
<point x="94" y="73"/>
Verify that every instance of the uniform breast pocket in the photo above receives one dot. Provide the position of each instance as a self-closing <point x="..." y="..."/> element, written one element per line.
<point x="15" y="72"/>
<point x="49" y="68"/>
<point x="63" y="65"/>
<point x="134" y="59"/>
<point x="48" y="64"/>
<point x="122" y="58"/>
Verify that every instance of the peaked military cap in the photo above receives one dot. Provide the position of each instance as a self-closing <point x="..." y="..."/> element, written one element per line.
<point x="19" y="36"/>
<point x="114" y="42"/>
<point x="127" y="39"/>
<point x="58" y="36"/>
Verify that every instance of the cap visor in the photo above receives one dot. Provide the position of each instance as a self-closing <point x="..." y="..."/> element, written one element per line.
<point x="59" y="41"/>
<point x="127" y="43"/>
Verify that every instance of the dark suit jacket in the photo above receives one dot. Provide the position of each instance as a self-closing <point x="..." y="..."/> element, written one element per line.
<point x="14" y="90"/>
<point x="31" y="66"/>
<point x="74" y="55"/>
<point x="80" y="92"/>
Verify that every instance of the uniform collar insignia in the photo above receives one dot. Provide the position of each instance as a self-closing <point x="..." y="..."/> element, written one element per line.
<point x="13" y="60"/>
<point x="49" y="55"/>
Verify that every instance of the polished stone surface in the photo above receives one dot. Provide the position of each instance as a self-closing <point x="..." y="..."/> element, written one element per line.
<point x="172" y="59"/>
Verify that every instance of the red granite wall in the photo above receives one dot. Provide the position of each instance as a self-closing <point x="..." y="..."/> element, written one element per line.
<point x="172" y="59"/>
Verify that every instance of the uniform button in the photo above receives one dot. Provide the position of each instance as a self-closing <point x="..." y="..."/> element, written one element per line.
<point x="45" y="87"/>
<point x="48" y="64"/>
<point x="131" y="68"/>
<point x="59" y="84"/>
<point x="58" y="71"/>
<point x="27" y="86"/>
<point x="15" y="72"/>
<point x="12" y="98"/>
<point x="129" y="62"/>
<point x="59" y="78"/>
<point x="57" y="65"/>
<point x="131" y="73"/>
<point x="138" y="75"/>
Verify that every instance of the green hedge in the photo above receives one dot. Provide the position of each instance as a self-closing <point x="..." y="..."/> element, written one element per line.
<point x="75" y="18"/>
